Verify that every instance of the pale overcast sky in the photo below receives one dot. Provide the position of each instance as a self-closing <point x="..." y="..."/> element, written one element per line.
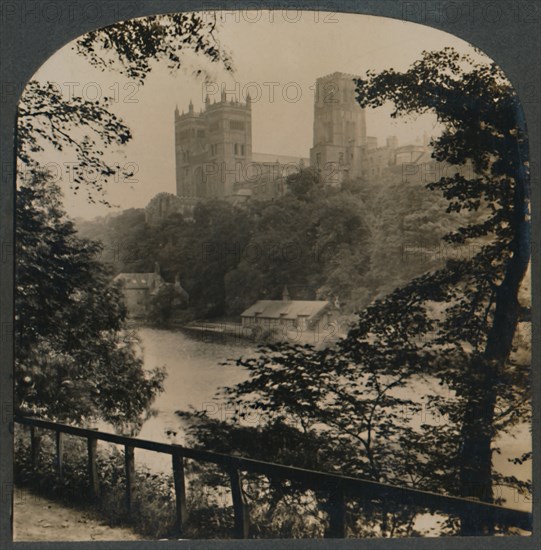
<point x="273" y="57"/>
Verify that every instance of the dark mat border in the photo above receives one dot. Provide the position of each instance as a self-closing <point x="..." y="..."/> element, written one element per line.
<point x="32" y="30"/>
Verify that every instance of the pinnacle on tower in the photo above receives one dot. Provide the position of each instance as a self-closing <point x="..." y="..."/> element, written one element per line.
<point x="224" y="98"/>
<point x="190" y="107"/>
<point x="176" y="109"/>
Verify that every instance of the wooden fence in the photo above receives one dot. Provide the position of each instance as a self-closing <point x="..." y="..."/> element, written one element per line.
<point x="338" y="487"/>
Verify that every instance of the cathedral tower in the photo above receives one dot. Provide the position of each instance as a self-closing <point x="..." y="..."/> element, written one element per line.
<point x="213" y="148"/>
<point x="339" y="129"/>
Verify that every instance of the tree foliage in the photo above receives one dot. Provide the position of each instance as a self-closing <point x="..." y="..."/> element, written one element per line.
<point x="478" y="297"/>
<point x="132" y="47"/>
<point x="229" y="257"/>
<point x="74" y="359"/>
<point x="46" y="119"/>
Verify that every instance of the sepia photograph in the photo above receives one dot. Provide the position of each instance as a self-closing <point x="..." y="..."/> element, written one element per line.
<point x="272" y="281"/>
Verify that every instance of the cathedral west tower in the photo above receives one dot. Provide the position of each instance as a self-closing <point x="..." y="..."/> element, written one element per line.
<point x="213" y="148"/>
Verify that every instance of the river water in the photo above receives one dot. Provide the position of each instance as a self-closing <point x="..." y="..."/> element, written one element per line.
<point x="195" y="373"/>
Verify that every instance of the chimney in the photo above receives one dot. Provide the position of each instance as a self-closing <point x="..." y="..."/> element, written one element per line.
<point x="285" y="295"/>
<point x="156" y="268"/>
<point x="177" y="280"/>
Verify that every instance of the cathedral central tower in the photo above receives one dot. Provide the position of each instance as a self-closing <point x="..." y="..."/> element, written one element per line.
<point x="339" y="129"/>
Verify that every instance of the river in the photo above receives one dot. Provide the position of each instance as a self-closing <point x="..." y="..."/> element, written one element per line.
<point x="194" y="374"/>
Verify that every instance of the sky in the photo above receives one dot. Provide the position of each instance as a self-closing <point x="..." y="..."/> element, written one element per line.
<point x="277" y="59"/>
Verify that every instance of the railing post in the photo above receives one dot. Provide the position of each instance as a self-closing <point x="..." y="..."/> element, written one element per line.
<point x="129" y="457"/>
<point x="35" y="444"/>
<point x="337" y="514"/>
<point x="242" y="517"/>
<point x="481" y="524"/>
<point x="92" y="444"/>
<point x="180" y="491"/>
<point x="60" y="454"/>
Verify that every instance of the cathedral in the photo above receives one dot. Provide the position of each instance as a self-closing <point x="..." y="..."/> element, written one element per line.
<point x="214" y="157"/>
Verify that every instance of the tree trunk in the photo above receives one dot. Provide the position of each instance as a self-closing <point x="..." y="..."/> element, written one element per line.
<point x="477" y="429"/>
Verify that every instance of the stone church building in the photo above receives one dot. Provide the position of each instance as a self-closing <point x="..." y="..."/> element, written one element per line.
<point x="214" y="157"/>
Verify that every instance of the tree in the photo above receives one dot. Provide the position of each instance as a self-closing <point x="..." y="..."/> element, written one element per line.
<point x="304" y="183"/>
<point x="484" y="125"/>
<point x="73" y="356"/>
<point x="46" y="119"/>
<point x="165" y="303"/>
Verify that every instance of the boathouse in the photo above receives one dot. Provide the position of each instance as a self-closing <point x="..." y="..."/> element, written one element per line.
<point x="302" y="314"/>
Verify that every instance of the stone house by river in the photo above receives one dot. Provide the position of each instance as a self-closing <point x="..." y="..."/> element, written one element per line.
<point x="138" y="289"/>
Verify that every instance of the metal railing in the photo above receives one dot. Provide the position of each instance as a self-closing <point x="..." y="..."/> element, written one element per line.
<point x="339" y="487"/>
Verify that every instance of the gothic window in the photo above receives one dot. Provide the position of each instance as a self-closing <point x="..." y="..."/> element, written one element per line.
<point x="236" y="149"/>
<point x="318" y="158"/>
<point x="242" y="149"/>
<point x="236" y="125"/>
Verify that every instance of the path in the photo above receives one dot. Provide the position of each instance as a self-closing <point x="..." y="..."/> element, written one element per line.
<point x="37" y="518"/>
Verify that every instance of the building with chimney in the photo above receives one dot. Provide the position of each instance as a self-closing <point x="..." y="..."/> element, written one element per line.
<point x="301" y="314"/>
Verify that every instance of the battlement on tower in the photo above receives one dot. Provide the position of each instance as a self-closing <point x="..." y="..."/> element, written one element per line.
<point x="212" y="106"/>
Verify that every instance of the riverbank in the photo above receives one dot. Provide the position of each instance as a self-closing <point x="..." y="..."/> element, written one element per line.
<point x="260" y="334"/>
